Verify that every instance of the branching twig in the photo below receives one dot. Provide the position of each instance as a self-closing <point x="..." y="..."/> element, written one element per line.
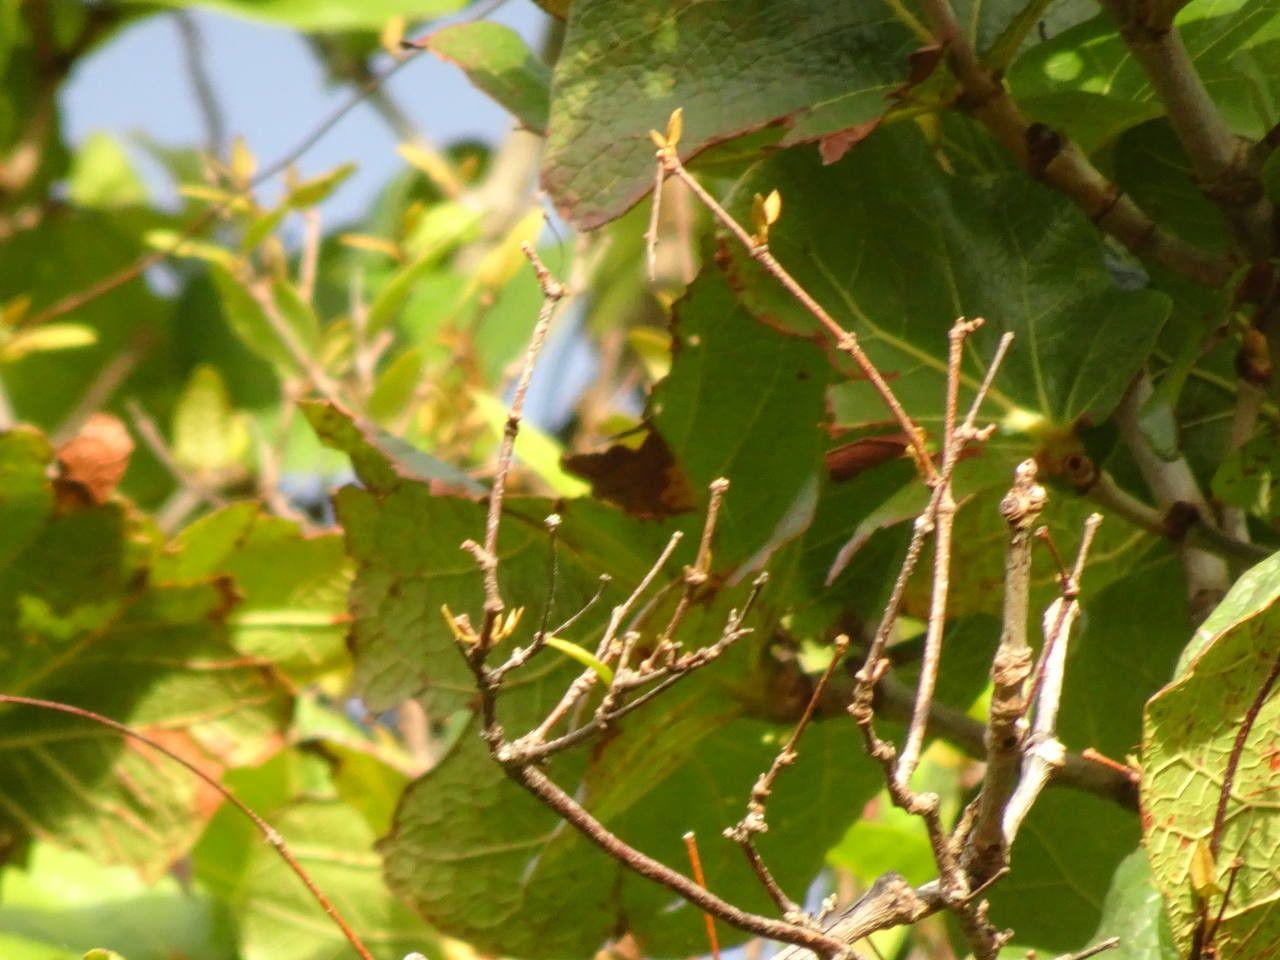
<point x="74" y="301"/>
<point x="944" y="513"/>
<point x="268" y="832"/>
<point x="755" y="821"/>
<point x="553" y="291"/>
<point x="537" y="783"/>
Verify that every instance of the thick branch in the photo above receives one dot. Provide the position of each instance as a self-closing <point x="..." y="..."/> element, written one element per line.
<point x="893" y="700"/>
<point x="1175" y="487"/>
<point x="1059" y="162"/>
<point x="1221" y="161"/>
<point x="1173" y="524"/>
<point x="1010" y="671"/>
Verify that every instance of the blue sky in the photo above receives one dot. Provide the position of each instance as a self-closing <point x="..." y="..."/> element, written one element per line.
<point x="273" y="93"/>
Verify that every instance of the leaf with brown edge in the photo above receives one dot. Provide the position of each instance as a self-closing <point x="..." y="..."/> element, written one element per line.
<point x="642" y="479"/>
<point x="807" y="67"/>
<point x="91" y="625"/>
<point x="1211" y="773"/>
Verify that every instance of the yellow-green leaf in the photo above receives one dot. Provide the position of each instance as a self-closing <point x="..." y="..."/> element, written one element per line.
<point x="583" y="656"/>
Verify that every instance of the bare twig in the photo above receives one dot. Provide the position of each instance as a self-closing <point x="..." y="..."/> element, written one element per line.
<point x="755" y="821"/>
<point x="107" y="381"/>
<point x="694" y="576"/>
<point x="1244" y="420"/>
<point x="662" y="679"/>
<point x="845" y="341"/>
<point x="260" y="289"/>
<point x="309" y="257"/>
<point x="553" y="291"/>
<point x="695" y="864"/>
<point x="268" y="832"/>
<point x="606" y="650"/>
<point x="151" y="435"/>
<point x="537" y="783"/>
<point x="944" y="513"/>
<point x="74" y="301"/>
<point x="1086" y="771"/>
<point x="1092" y="951"/>
<point x="215" y="126"/>
<point x="651" y="234"/>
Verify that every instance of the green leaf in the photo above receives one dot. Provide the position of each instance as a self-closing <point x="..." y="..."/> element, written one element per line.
<point x="208" y="437"/>
<point x="325" y="14"/>
<point x="892" y="840"/>
<point x="292" y="586"/>
<point x="1125" y="649"/>
<point x="98" y="631"/>
<point x="67" y="254"/>
<point x="402" y="645"/>
<point x="58" y="903"/>
<point x="175" y="243"/>
<point x="626" y="66"/>
<point x="1213" y="725"/>
<point x="1256" y="589"/>
<point x="304" y="793"/>
<point x="1055" y="895"/>
<point x="103" y="176"/>
<point x="27" y="499"/>
<point x="1152" y="167"/>
<point x="308" y="193"/>
<point x="43" y="339"/>
<point x="744" y="402"/>
<point x="497" y="60"/>
<point x="279" y="918"/>
<point x="1134" y="912"/>
<point x="1084" y="81"/>
<point x="441" y="228"/>
<point x="381" y="459"/>
<point x="896" y="249"/>
<point x="245" y="316"/>
<point x="1271" y="176"/>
